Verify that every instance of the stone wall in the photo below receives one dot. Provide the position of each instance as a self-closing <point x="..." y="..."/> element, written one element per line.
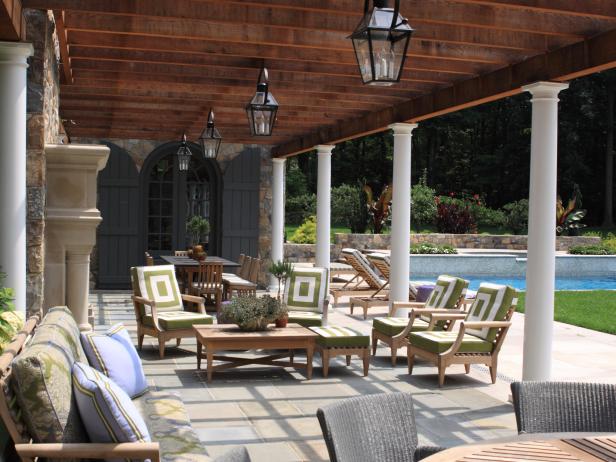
<point x="305" y="252"/>
<point x="265" y="215"/>
<point x="43" y="127"/>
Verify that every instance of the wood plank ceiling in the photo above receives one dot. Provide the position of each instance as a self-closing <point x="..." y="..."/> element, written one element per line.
<point x="150" y="69"/>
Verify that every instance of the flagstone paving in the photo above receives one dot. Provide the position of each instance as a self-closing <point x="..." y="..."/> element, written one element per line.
<point x="273" y="410"/>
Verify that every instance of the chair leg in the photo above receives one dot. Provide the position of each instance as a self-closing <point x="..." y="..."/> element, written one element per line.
<point x="365" y="312"/>
<point x="467" y="368"/>
<point x="140" y="341"/>
<point x="351" y="307"/>
<point x="291" y="356"/>
<point x="178" y="341"/>
<point x="441" y="375"/>
<point x="374" y="342"/>
<point x="366" y="358"/>
<point x="348" y="360"/>
<point x="394" y="354"/>
<point x="411" y="361"/>
<point x="161" y="347"/>
<point x="325" y="362"/>
<point x="493" y="370"/>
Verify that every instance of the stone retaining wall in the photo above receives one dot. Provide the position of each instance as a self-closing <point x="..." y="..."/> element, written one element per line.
<point x="305" y="252"/>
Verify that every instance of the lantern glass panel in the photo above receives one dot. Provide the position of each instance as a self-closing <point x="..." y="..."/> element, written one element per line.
<point x="210" y="142"/>
<point x="262" y="114"/>
<point x="184" y="156"/>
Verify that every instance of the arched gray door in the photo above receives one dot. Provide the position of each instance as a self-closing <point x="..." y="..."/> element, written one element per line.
<point x="118" y="201"/>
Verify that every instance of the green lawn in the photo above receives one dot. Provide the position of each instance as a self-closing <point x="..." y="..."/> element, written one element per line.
<point x="593" y="309"/>
<point x="290" y="229"/>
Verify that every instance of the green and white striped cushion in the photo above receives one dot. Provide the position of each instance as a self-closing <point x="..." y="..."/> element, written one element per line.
<point x="306" y="318"/>
<point x="306" y="289"/>
<point x="368" y="273"/>
<point x="393" y="326"/>
<point x="447" y="291"/>
<point x="491" y="304"/>
<point x="338" y="336"/>
<point x="158" y="283"/>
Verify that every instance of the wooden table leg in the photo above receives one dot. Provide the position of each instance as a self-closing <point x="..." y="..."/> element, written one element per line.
<point x="199" y="351"/>
<point x="309" y="353"/>
<point x="210" y="364"/>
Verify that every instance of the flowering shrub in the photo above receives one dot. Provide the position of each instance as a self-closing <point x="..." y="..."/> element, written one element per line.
<point x="454" y="216"/>
<point x="427" y="248"/>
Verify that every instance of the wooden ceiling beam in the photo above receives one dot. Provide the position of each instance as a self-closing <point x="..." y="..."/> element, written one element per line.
<point x="225" y="34"/>
<point x="343" y="16"/>
<point x="592" y="55"/>
<point x="65" y="59"/>
<point x="12" y="22"/>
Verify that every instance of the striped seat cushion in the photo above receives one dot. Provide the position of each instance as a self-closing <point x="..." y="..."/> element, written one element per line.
<point x="340" y="337"/>
<point x="393" y="326"/>
<point x="178" y="320"/>
<point x="441" y="341"/>
<point x="491" y="304"/>
<point x="306" y="318"/>
<point x="306" y="289"/>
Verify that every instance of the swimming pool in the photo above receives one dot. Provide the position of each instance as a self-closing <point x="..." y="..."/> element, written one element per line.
<point x="562" y="283"/>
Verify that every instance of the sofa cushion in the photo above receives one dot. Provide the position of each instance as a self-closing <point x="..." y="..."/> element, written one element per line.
<point x="178" y="320"/>
<point x="114" y="354"/>
<point x="492" y="303"/>
<point x="393" y="326"/>
<point x="440" y="341"/>
<point x="306" y="318"/>
<point x="42" y="380"/>
<point x="338" y="336"/>
<point x="107" y="411"/>
<point x="157" y="283"/>
<point x="169" y="425"/>
<point x="306" y="289"/>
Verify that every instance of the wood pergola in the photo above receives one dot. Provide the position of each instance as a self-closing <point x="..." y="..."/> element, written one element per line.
<point x="150" y="69"/>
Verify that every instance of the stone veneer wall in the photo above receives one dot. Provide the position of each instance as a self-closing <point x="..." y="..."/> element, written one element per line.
<point x="139" y="151"/>
<point x="305" y="252"/>
<point x="43" y="127"/>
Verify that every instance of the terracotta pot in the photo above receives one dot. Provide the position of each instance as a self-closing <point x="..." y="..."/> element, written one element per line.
<point x="282" y="322"/>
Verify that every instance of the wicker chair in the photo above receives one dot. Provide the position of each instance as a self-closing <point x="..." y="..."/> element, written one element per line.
<point x="377" y="427"/>
<point x="551" y="407"/>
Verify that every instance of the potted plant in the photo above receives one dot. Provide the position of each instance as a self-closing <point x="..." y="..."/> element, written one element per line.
<point x="252" y="313"/>
<point x="281" y="270"/>
<point x="198" y="228"/>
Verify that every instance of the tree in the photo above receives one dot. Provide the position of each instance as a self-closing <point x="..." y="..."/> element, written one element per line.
<point x="608" y="206"/>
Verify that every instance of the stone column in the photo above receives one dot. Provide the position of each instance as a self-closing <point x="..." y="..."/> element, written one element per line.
<point x="540" y="269"/>
<point x="71" y="222"/>
<point x="401" y="215"/>
<point x="13" y="84"/>
<point x="324" y="185"/>
<point x="277" y="215"/>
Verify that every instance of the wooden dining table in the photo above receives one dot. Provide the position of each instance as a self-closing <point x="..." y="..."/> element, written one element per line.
<point x="188" y="267"/>
<point x="538" y="447"/>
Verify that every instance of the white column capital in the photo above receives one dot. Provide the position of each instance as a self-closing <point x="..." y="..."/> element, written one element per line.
<point x="279" y="160"/>
<point x="15" y="52"/>
<point x="545" y="89"/>
<point x="403" y="129"/>
<point x="325" y="148"/>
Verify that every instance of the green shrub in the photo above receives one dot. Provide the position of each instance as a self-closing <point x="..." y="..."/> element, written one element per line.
<point x="600" y="249"/>
<point x="428" y="248"/>
<point x="10" y="322"/>
<point x="453" y="216"/>
<point x="609" y="241"/>
<point x="423" y="207"/>
<point x="485" y="216"/>
<point x="299" y="208"/>
<point x="252" y="313"/>
<point x="307" y="232"/>
<point x="517" y="216"/>
<point x="348" y="209"/>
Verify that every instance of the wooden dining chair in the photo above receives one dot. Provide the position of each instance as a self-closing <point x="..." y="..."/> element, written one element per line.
<point x="209" y="284"/>
<point x="244" y="271"/>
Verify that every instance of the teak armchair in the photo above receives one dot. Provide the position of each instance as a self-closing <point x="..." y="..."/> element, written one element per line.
<point x="159" y="306"/>
<point x="478" y="339"/>
<point x="305" y="294"/>
<point x="448" y="294"/>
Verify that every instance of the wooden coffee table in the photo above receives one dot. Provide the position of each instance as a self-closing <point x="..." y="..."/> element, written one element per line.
<point x="229" y="337"/>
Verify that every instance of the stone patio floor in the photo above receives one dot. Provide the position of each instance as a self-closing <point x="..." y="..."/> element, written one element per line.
<point x="273" y="410"/>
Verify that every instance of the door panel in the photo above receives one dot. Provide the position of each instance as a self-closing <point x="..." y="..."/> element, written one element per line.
<point x="118" y="202"/>
<point x="240" y="216"/>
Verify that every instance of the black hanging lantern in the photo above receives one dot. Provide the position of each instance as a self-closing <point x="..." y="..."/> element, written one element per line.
<point x="261" y="110"/>
<point x="210" y="138"/>
<point x="380" y="41"/>
<point x="184" y="155"/>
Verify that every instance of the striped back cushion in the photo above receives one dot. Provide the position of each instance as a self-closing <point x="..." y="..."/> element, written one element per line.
<point x="306" y="289"/>
<point x="157" y="283"/>
<point x="446" y="293"/>
<point x="357" y="260"/>
<point x="382" y="262"/>
<point x="491" y="304"/>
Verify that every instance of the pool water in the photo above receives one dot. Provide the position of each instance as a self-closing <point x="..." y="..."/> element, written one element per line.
<point x="594" y="283"/>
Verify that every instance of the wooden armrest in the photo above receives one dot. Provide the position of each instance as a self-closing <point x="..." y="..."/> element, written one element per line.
<point x="448" y="316"/>
<point x="193" y="298"/>
<point x="482" y="324"/>
<point x="398" y="305"/>
<point x="143" y="301"/>
<point x="90" y="450"/>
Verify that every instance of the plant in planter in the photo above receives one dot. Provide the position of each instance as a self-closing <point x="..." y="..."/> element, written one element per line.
<point x="252" y="313"/>
<point x="281" y="270"/>
<point x="198" y="228"/>
<point x="10" y="322"/>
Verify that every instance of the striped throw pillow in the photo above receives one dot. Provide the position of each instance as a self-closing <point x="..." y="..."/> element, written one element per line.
<point x="114" y="354"/>
<point x="107" y="412"/>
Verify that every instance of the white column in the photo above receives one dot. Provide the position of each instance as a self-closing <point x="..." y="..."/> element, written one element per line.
<point x="401" y="215"/>
<point x="324" y="185"/>
<point x="540" y="272"/>
<point x="78" y="284"/>
<point x="13" y="89"/>
<point x="277" y="214"/>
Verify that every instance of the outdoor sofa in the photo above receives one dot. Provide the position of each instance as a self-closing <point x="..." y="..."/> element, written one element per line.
<point x="38" y="404"/>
